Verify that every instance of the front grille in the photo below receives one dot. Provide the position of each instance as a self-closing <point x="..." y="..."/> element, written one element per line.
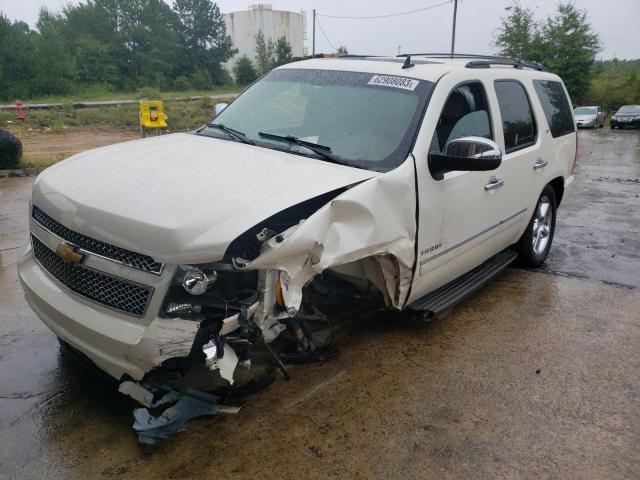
<point x="120" y="255"/>
<point x="116" y="293"/>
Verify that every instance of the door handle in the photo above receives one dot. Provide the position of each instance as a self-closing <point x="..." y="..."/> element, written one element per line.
<point x="494" y="183"/>
<point x="540" y="163"/>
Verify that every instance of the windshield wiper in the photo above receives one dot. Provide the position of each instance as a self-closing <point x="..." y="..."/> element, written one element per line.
<point x="234" y="133"/>
<point x="321" y="150"/>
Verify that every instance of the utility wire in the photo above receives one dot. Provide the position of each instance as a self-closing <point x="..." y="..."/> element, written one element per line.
<point x="325" y="35"/>
<point x="388" y="15"/>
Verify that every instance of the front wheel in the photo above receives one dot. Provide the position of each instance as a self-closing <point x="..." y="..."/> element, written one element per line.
<point x="535" y="243"/>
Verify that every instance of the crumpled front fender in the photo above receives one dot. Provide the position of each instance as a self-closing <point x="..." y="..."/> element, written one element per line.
<point x="373" y="221"/>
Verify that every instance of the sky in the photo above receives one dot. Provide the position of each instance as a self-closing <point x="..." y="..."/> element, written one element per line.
<point x="616" y="21"/>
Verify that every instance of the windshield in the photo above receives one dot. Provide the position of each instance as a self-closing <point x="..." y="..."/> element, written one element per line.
<point x="585" y="111"/>
<point x="629" y="109"/>
<point x="366" y="120"/>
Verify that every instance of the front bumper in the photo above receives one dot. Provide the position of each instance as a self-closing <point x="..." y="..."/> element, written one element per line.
<point x="586" y="123"/>
<point x="117" y="343"/>
<point x="625" y="123"/>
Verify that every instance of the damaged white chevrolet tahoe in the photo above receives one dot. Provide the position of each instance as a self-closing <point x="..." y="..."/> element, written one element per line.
<point x="329" y="184"/>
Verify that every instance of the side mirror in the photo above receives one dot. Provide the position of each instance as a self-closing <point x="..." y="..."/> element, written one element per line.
<point x="466" y="154"/>
<point x="219" y="107"/>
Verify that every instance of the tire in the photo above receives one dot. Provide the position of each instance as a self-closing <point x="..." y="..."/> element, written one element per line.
<point x="535" y="243"/>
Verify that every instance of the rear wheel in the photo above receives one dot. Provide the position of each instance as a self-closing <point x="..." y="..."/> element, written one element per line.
<point x="535" y="243"/>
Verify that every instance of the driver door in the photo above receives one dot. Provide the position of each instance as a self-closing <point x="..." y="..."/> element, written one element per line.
<point x="460" y="212"/>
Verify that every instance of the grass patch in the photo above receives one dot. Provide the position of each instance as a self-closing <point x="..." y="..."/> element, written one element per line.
<point x="181" y="116"/>
<point x="97" y="94"/>
<point x="41" y="162"/>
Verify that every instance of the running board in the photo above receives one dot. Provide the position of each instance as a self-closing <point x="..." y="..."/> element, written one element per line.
<point x="456" y="291"/>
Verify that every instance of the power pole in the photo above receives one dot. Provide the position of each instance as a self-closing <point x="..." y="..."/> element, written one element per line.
<point x="453" y="32"/>
<point x="313" y="48"/>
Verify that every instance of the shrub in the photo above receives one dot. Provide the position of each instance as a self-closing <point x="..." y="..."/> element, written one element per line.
<point x="149" y="93"/>
<point x="10" y="150"/>
<point x="201" y="80"/>
<point x="244" y="71"/>
<point x="226" y="77"/>
<point x="182" y="84"/>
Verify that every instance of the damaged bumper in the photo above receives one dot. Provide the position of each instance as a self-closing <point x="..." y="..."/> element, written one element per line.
<point x="215" y="313"/>
<point x="118" y="344"/>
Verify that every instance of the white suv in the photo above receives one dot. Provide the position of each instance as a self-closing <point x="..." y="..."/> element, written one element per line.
<point x="328" y="184"/>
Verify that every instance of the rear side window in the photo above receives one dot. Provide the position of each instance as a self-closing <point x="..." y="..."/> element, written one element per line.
<point x="518" y="123"/>
<point x="556" y="107"/>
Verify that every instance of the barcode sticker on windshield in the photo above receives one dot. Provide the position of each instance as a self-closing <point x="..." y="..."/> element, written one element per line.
<point x="395" y="82"/>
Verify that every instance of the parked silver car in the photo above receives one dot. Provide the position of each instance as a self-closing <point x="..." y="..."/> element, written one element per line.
<point x="591" y="117"/>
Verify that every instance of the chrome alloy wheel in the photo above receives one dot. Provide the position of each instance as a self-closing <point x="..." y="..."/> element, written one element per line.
<point x="542" y="225"/>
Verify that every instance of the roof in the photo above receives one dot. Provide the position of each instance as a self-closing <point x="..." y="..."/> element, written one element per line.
<point x="425" y="67"/>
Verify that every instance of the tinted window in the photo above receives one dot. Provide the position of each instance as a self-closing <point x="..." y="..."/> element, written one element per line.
<point x="556" y="107"/>
<point x="518" y="123"/>
<point x="464" y="115"/>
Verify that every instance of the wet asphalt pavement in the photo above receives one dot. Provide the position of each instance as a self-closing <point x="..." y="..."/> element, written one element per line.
<point x="535" y="376"/>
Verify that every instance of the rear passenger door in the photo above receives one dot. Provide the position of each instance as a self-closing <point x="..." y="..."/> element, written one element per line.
<point x="521" y="159"/>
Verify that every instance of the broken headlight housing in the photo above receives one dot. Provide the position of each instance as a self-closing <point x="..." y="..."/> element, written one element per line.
<point x="196" y="282"/>
<point x="214" y="290"/>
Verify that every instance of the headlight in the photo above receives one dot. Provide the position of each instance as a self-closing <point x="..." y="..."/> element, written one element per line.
<point x="209" y="290"/>
<point x="613" y="117"/>
<point x="196" y="282"/>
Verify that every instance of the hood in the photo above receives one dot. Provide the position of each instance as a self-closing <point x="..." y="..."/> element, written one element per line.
<point x="181" y="198"/>
<point x="591" y="116"/>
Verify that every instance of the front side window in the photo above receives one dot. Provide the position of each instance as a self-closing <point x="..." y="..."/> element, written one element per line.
<point x="465" y="114"/>
<point x="360" y="119"/>
<point x="556" y="107"/>
<point x="518" y="124"/>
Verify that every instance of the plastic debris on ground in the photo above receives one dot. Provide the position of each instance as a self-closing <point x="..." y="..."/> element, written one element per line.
<point x="191" y="403"/>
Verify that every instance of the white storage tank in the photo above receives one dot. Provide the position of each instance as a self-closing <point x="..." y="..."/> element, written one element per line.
<point x="243" y="26"/>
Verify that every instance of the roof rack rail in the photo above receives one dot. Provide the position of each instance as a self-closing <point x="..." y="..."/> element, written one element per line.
<point x="516" y="63"/>
<point x="483" y="61"/>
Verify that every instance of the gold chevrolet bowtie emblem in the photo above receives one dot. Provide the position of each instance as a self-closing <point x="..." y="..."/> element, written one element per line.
<point x="68" y="253"/>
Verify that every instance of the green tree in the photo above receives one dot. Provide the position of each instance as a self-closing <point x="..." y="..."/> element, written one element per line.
<point x="283" y="51"/>
<point x="203" y="37"/>
<point x="519" y="35"/>
<point x="201" y="79"/>
<point x="244" y="71"/>
<point x="570" y="47"/>
<point x="342" y="50"/>
<point x="92" y="37"/>
<point x="147" y="31"/>
<point x="265" y="54"/>
<point x="18" y="59"/>
<point x="59" y="76"/>
<point x="614" y="83"/>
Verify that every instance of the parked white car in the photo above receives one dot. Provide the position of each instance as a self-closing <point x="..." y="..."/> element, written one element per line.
<point x="328" y="184"/>
<point x="589" y="117"/>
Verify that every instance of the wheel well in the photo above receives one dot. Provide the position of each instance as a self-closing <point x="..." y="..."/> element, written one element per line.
<point x="558" y="188"/>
